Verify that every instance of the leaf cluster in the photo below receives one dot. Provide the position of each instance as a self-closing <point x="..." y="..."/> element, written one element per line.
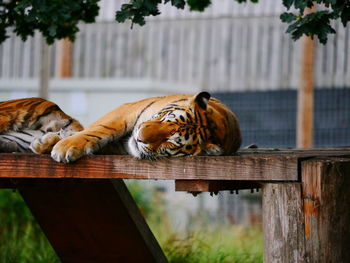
<point x="317" y="23"/>
<point x="55" y="19"/>
<point x="137" y="10"/>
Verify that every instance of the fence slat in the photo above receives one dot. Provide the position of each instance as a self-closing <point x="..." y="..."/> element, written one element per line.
<point x="232" y="50"/>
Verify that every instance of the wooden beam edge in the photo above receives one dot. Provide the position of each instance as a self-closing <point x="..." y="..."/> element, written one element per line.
<point x="214" y="186"/>
<point x="253" y="168"/>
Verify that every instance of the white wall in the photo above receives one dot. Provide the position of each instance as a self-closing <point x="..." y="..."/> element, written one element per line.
<point x="89" y="99"/>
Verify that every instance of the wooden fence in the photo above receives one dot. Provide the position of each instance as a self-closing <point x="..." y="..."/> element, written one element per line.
<point x="220" y="50"/>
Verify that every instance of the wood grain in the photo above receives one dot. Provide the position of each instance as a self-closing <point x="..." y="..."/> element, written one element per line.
<point x="308" y="221"/>
<point x="305" y="109"/>
<point x="91" y="221"/>
<point x="259" y="167"/>
<point x="196" y="186"/>
<point x="283" y="223"/>
<point x="326" y="205"/>
<point x="247" y="165"/>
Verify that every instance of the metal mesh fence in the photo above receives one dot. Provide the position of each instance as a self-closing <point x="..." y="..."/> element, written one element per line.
<point x="268" y="118"/>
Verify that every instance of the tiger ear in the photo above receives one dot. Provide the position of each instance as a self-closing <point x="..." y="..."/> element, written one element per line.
<point x="201" y="99"/>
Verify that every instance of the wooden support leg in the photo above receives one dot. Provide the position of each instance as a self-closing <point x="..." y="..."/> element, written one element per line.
<point x="326" y="195"/>
<point x="283" y="223"/>
<point x="309" y="221"/>
<point x="90" y="221"/>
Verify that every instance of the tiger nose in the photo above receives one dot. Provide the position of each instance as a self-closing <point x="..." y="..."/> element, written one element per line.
<point x="140" y="139"/>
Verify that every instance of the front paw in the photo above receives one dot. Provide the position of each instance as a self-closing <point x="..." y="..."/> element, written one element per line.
<point x="72" y="148"/>
<point x="45" y="143"/>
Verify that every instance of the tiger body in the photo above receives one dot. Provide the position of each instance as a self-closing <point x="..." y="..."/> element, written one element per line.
<point x="173" y="125"/>
<point x="153" y="128"/>
<point x="33" y="125"/>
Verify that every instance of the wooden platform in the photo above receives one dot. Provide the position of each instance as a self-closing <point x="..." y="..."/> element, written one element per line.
<point x="256" y="164"/>
<point x="89" y="218"/>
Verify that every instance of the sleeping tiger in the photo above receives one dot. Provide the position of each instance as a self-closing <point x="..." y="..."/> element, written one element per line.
<point x="33" y="125"/>
<point x="174" y="125"/>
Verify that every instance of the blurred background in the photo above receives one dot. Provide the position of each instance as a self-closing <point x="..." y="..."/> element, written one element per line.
<point x="240" y="53"/>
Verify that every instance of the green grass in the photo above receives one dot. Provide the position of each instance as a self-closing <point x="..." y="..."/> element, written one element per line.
<point x="220" y="245"/>
<point x="22" y="241"/>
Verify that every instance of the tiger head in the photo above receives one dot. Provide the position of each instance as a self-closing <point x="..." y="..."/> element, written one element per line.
<point x="199" y="125"/>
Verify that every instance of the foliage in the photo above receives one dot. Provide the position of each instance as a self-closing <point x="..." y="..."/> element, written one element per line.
<point x="313" y="24"/>
<point x="225" y="244"/>
<point x="206" y="242"/>
<point x="316" y="23"/>
<point x="57" y="19"/>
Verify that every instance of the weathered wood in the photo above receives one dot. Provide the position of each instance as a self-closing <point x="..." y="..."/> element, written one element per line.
<point x="251" y="167"/>
<point x="309" y="221"/>
<point x="64" y="58"/>
<point x="91" y="221"/>
<point x="305" y="110"/>
<point x="326" y="198"/>
<point x="283" y="223"/>
<point x="213" y="185"/>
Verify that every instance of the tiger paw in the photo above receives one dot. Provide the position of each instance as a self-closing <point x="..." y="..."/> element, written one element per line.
<point x="45" y="143"/>
<point x="72" y="148"/>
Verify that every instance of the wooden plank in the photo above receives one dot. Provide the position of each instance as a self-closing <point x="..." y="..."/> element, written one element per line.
<point x="326" y="204"/>
<point x="77" y="54"/>
<point x="27" y="50"/>
<point x="347" y="58"/>
<point x="214" y="185"/>
<point x="6" y="47"/>
<point x="276" y="45"/>
<point x="283" y="223"/>
<point x="37" y="42"/>
<point x="251" y="167"/>
<point x="301" y="153"/>
<point x="44" y="77"/>
<point x="87" y="52"/>
<point x="91" y="221"/>
<point x="340" y="55"/>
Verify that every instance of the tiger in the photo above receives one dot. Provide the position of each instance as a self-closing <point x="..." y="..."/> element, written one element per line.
<point x="33" y="125"/>
<point x="158" y="127"/>
<point x="152" y="128"/>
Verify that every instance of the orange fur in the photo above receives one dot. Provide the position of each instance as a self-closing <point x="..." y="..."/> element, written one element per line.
<point x="35" y="124"/>
<point x="173" y="125"/>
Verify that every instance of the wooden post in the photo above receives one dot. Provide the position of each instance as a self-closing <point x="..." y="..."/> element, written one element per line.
<point x="45" y="62"/>
<point x="64" y="58"/>
<point x="283" y="223"/>
<point x="309" y="221"/>
<point x="305" y="105"/>
<point x="91" y="221"/>
<point x="326" y="199"/>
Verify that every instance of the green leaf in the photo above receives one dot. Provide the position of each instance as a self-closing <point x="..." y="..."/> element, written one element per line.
<point x="52" y="30"/>
<point x="288" y="3"/>
<point x="288" y="17"/>
<point x="345" y="15"/>
<point x="314" y="24"/>
<point x="179" y="3"/>
<point x="198" y="5"/>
